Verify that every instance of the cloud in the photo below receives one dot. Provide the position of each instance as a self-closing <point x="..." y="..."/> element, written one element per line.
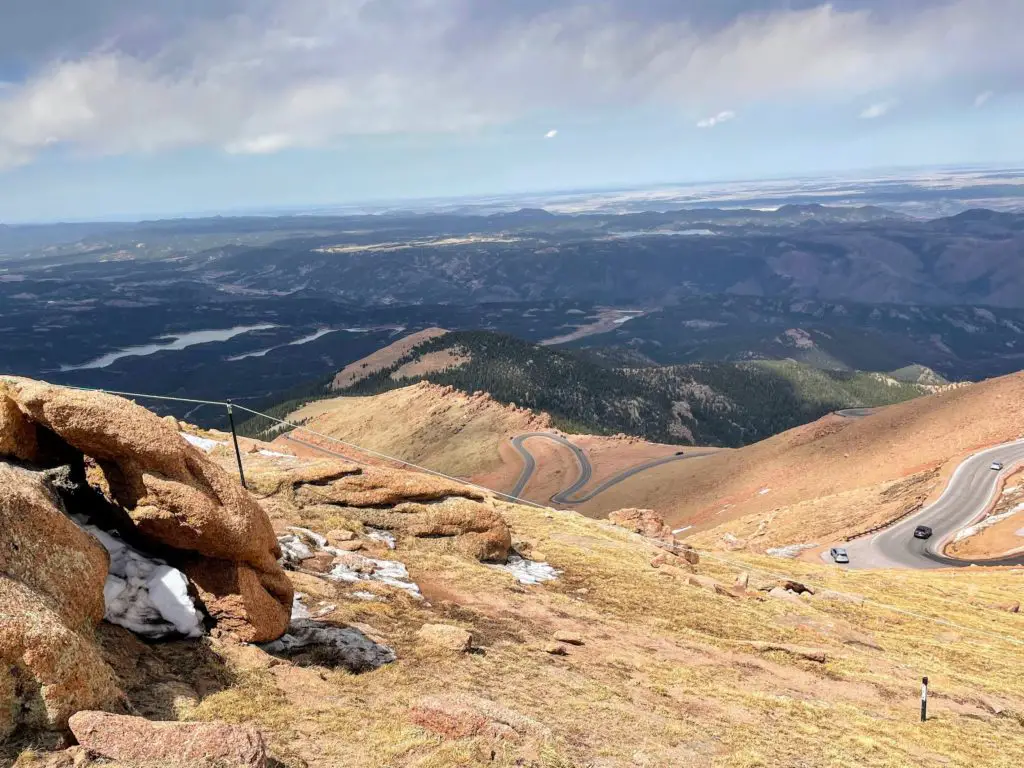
<point x="266" y="75"/>
<point x="721" y="117"/>
<point x="983" y="98"/>
<point x="551" y="134"/>
<point x="879" y="109"/>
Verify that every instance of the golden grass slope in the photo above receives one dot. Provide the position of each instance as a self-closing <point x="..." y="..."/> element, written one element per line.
<point x="836" y="476"/>
<point x="668" y="674"/>
<point x="429" y="425"/>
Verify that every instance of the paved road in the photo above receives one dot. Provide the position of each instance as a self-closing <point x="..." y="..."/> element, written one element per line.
<point x="568" y="495"/>
<point x="967" y="496"/>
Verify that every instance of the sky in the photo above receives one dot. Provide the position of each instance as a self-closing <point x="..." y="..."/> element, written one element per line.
<point x="132" y="108"/>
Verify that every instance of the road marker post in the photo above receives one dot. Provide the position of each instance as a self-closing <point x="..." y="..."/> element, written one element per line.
<point x="924" y="699"/>
<point x="234" y="439"/>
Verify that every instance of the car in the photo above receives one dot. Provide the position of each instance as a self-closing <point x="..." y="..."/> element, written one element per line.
<point x="996" y="465"/>
<point x="922" y="532"/>
<point x="839" y="555"/>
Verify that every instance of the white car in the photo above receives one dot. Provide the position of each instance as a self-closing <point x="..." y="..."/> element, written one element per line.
<point x="996" y="465"/>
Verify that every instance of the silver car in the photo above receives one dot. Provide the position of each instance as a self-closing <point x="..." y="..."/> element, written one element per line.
<point x="839" y="555"/>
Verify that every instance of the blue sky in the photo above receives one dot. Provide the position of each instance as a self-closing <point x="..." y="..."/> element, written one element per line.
<point x="132" y="108"/>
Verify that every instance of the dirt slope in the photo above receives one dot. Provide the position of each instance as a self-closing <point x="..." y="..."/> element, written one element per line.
<point x="382" y="358"/>
<point x="836" y="476"/>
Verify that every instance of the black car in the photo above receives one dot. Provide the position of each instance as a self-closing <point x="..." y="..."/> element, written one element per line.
<point x="922" y="532"/>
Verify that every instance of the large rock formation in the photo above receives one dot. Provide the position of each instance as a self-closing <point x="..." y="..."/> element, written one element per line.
<point x="169" y="496"/>
<point x="407" y="503"/>
<point x="51" y="598"/>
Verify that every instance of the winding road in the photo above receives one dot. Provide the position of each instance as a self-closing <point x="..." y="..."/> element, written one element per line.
<point x="967" y="497"/>
<point x="568" y="495"/>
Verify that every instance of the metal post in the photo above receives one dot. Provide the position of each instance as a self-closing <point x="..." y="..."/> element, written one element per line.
<point x="924" y="699"/>
<point x="234" y="439"/>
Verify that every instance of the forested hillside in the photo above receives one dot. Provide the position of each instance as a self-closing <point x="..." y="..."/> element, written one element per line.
<point x="728" y="404"/>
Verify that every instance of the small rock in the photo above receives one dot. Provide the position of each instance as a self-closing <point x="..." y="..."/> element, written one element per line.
<point x="445" y="636"/>
<point x="172" y="423"/>
<point x="811" y="654"/>
<point x="556" y="649"/>
<point x="339" y="535"/>
<point x="356" y="563"/>
<point x="572" y="638"/>
<point x="321" y="562"/>
<point x="742" y="581"/>
<point x="797" y="587"/>
<point x="1013" y="607"/>
<point x="349" y="546"/>
<point x="688" y="553"/>
<point x="537" y="556"/>
<point x="135" y="740"/>
<point x="993" y="705"/>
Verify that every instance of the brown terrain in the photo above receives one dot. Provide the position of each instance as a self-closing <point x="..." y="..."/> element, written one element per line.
<point x="383" y="358"/>
<point x="412" y="643"/>
<point x="834" y="478"/>
<point x="466" y="436"/>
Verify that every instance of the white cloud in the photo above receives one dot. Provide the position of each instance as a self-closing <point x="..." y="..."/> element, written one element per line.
<point x="983" y="98"/>
<point x="551" y="134"/>
<point x="879" y="109"/>
<point x="721" y="117"/>
<point x="300" y="73"/>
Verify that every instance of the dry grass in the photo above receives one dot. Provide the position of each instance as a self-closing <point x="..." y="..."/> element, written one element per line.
<point x="664" y="677"/>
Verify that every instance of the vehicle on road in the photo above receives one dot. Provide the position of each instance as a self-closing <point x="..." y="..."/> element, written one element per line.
<point x="922" y="532"/>
<point x="996" y="465"/>
<point x="839" y="555"/>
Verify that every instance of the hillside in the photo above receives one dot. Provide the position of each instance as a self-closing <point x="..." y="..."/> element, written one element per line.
<point x="835" y="477"/>
<point x="426" y="424"/>
<point x="717" y="404"/>
<point x="432" y="625"/>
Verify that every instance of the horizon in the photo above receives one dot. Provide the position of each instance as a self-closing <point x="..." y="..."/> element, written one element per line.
<point x="124" y="110"/>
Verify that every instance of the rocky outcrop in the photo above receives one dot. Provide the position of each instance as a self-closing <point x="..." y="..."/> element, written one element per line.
<point x="651" y="525"/>
<point x="445" y="637"/>
<point x="51" y="598"/>
<point x="459" y="716"/>
<point x="406" y="503"/>
<point x="139" y="742"/>
<point x="170" y="496"/>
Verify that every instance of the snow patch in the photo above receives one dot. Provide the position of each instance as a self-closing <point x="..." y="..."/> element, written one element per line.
<point x="528" y="571"/>
<point x="789" y="552"/>
<point x="144" y="594"/>
<point x="988" y="522"/>
<point x="346" y="646"/>
<point x="202" y="443"/>
<point x="763" y="491"/>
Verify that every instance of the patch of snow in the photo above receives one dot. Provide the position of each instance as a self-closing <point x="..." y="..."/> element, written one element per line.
<point x="276" y="455"/>
<point x="202" y="443"/>
<point x="389" y="572"/>
<point x="144" y="594"/>
<point x="299" y="609"/>
<point x="528" y="571"/>
<point x="763" y="491"/>
<point x="680" y="530"/>
<point x="349" y="647"/>
<point x="1021" y="533"/>
<point x="313" y="536"/>
<point x="789" y="552"/>
<point x="385" y="537"/>
<point x="988" y="522"/>
<point x="293" y="549"/>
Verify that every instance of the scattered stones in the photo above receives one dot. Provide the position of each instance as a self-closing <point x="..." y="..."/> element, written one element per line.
<point x="571" y="638"/>
<point x="460" y="716"/>
<point x="137" y="741"/>
<point x="446" y="637"/>
<point x="810" y="654"/>
<point x="645" y="522"/>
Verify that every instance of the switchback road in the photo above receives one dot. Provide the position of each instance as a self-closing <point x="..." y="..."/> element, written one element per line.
<point x="568" y="495"/>
<point x="967" y="496"/>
